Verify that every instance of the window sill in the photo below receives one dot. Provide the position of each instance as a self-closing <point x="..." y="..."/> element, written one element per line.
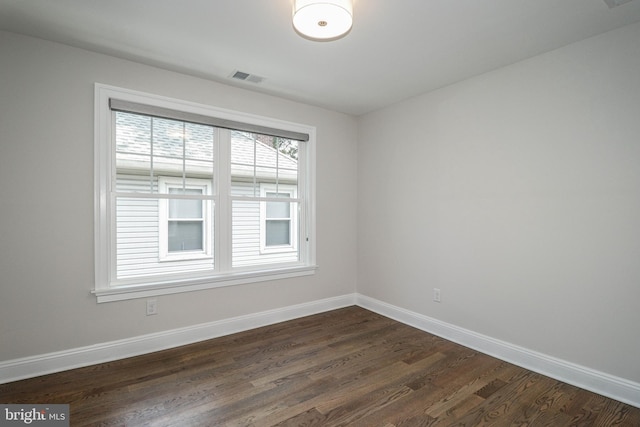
<point x="149" y="290"/>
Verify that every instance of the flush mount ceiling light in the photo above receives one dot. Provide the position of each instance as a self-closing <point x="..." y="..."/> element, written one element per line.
<point x="322" y="19"/>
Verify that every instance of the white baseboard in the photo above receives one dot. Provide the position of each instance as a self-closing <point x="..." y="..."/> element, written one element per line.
<point x="598" y="382"/>
<point x="29" y="367"/>
<point x="607" y="385"/>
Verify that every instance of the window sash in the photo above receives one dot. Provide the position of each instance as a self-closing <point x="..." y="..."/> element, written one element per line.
<point x="179" y="207"/>
<point x="186" y="235"/>
<point x="277" y="233"/>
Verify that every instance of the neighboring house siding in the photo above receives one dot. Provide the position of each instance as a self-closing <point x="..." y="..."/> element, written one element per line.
<point x="138" y="234"/>
<point x="246" y="232"/>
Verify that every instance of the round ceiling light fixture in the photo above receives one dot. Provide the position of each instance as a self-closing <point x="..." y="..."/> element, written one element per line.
<point x="322" y="19"/>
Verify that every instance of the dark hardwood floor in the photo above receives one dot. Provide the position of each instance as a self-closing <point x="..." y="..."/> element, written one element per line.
<point x="348" y="367"/>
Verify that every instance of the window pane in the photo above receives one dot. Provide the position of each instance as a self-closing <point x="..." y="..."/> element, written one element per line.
<point x="138" y="240"/>
<point x="189" y="209"/>
<point x="278" y="209"/>
<point x="133" y="182"/>
<point x="182" y="208"/>
<point x="198" y="150"/>
<point x="199" y="142"/>
<point x="198" y="169"/>
<point x="168" y="138"/>
<point x="185" y="236"/>
<point x="133" y="153"/>
<point x="187" y="191"/>
<point x="251" y="235"/>
<point x="257" y="159"/>
<point x="277" y="232"/>
<point x="148" y="147"/>
<point x="133" y="133"/>
<point x="136" y="236"/>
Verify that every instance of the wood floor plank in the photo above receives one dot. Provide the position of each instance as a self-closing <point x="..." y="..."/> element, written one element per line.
<point x="348" y="367"/>
<point x="617" y="414"/>
<point x="411" y="411"/>
<point x="309" y="418"/>
<point x="366" y="405"/>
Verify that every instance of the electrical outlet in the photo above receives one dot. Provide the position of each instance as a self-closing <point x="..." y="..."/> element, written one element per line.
<point x="436" y="294"/>
<point x="152" y="307"/>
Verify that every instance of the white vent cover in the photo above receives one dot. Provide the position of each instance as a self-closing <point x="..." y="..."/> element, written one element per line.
<point x="614" y="3"/>
<point x="241" y="75"/>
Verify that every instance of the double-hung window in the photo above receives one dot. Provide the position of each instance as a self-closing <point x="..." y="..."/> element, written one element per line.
<point x="278" y="220"/>
<point x="191" y="197"/>
<point x="184" y="227"/>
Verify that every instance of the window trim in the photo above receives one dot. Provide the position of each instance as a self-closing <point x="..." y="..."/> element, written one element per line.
<point x="104" y="221"/>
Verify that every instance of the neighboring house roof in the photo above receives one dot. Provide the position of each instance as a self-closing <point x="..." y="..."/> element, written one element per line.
<point x="249" y="156"/>
<point x="245" y="149"/>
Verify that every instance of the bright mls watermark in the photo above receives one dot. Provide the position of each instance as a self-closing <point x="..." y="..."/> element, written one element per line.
<point x="36" y="415"/>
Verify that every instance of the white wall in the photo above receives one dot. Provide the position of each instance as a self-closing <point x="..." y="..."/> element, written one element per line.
<point x="46" y="202"/>
<point x="517" y="193"/>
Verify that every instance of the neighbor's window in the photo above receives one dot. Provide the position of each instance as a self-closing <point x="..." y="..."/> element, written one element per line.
<point x="278" y="232"/>
<point x="190" y="197"/>
<point x="184" y="227"/>
<point x="277" y="223"/>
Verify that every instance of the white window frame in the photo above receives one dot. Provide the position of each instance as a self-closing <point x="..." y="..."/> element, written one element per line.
<point x="108" y="288"/>
<point x="164" y="184"/>
<point x="293" y="225"/>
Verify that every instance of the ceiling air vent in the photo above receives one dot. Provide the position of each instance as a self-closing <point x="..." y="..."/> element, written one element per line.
<point x="241" y="75"/>
<point x="614" y="3"/>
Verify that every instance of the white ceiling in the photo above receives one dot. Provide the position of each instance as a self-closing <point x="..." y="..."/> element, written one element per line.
<point x="397" y="48"/>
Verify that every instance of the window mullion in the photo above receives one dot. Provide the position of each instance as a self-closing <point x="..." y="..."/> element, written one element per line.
<point x="255" y="164"/>
<point x="277" y="147"/>
<point x="223" y="224"/>
<point x="184" y="158"/>
<point x="151" y="155"/>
